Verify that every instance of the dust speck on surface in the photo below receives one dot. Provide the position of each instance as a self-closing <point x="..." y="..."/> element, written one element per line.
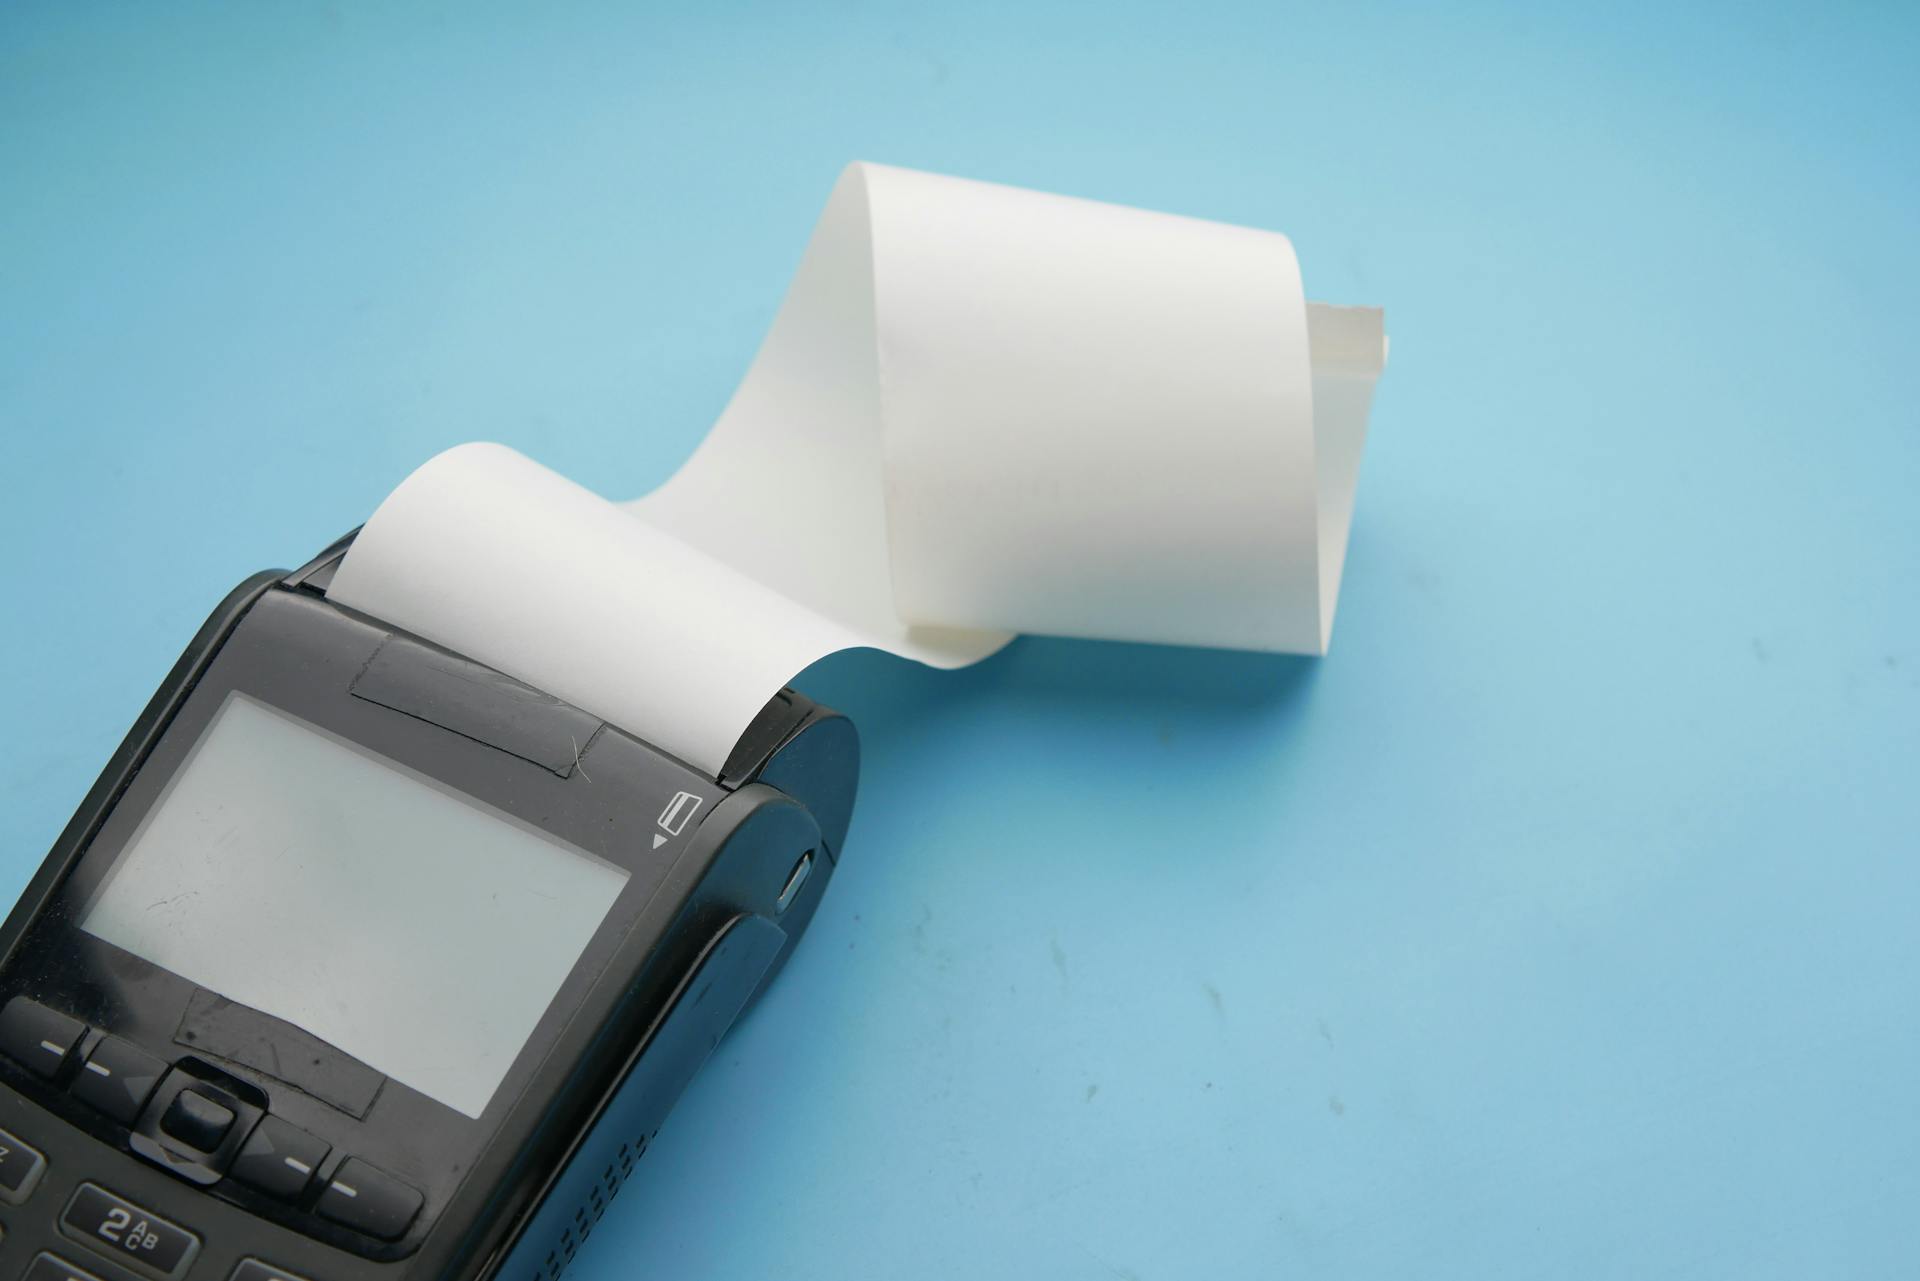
<point x="1335" y="1106"/>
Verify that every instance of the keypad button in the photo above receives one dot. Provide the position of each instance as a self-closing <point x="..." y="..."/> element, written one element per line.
<point x="51" y="1267"/>
<point x="368" y="1200"/>
<point x="38" y="1038"/>
<point x="20" y="1169"/>
<point x="128" y="1234"/>
<point x="278" y="1158"/>
<point x="192" y="1127"/>
<point x="197" y="1121"/>
<point x="117" y="1078"/>
<point x="261" y="1270"/>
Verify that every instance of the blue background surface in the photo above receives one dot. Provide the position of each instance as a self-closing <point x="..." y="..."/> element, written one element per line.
<point x="1561" y="923"/>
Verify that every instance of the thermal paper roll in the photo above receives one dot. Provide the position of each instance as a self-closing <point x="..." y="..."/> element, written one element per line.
<point x="980" y="411"/>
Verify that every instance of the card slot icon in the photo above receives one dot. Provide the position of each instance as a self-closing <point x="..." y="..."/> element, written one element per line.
<point x="674" y="818"/>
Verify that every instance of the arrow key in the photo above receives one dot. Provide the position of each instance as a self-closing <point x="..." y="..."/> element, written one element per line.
<point x="117" y="1078"/>
<point x="279" y="1159"/>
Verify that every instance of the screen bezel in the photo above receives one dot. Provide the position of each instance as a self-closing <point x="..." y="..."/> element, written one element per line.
<point x="299" y="655"/>
<point x="532" y="851"/>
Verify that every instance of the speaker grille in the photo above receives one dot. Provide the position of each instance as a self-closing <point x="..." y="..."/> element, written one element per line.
<point x="600" y="1195"/>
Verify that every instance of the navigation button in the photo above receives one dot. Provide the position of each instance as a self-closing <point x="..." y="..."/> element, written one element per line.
<point x="20" y="1169"/>
<point x="197" y="1121"/>
<point x="128" y="1234"/>
<point x="369" y="1201"/>
<point x="117" y="1078"/>
<point x="279" y="1158"/>
<point x="38" y="1038"/>
<point x="192" y="1127"/>
<point x="51" y="1267"/>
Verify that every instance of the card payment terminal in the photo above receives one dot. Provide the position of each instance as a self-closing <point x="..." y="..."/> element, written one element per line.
<point x="363" y="961"/>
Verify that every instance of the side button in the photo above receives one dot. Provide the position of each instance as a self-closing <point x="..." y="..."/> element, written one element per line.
<point x="20" y="1169"/>
<point x="51" y="1267"/>
<point x="38" y="1038"/>
<point x="128" y="1234"/>
<point x="261" y="1270"/>
<point x="117" y="1078"/>
<point x="368" y="1200"/>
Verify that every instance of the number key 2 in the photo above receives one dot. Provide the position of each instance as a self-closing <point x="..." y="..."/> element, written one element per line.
<point x="128" y="1234"/>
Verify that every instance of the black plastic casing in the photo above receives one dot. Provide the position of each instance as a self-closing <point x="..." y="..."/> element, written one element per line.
<point x="708" y="914"/>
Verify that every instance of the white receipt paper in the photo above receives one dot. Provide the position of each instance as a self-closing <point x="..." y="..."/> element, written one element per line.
<point x="980" y="411"/>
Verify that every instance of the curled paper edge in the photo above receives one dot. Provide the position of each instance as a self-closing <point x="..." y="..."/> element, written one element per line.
<point x="979" y="411"/>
